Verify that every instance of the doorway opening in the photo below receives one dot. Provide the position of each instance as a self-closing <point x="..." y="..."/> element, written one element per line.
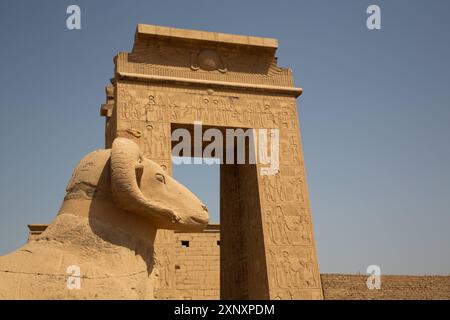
<point x="243" y="269"/>
<point x="203" y="180"/>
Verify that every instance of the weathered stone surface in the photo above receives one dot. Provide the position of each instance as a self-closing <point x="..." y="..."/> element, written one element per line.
<point x="174" y="77"/>
<point x="171" y="79"/>
<point x="106" y="227"/>
<point x="195" y="271"/>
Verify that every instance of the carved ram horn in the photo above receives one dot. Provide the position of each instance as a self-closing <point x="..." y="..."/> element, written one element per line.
<point x="125" y="168"/>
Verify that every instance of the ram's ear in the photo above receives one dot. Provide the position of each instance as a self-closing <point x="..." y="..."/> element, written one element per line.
<point x="126" y="167"/>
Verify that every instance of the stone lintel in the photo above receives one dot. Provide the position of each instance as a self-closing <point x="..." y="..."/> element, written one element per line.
<point x="205" y="37"/>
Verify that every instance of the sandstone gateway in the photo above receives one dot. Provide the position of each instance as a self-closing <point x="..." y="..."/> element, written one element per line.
<point x="134" y="232"/>
<point x="174" y="77"/>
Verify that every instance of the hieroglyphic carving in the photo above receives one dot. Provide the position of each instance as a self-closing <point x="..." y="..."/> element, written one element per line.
<point x="287" y="117"/>
<point x="294" y="150"/>
<point x="164" y="265"/>
<point x="290" y="148"/>
<point x="268" y="229"/>
<point x="295" y="187"/>
<point x="287" y="229"/>
<point x="161" y="58"/>
<point x="129" y="108"/>
<point x="285" y="210"/>
<point x="164" y="253"/>
<point x="155" y="142"/>
<point x="210" y="107"/>
<point x="293" y="268"/>
<point x="155" y="108"/>
<point x="281" y="187"/>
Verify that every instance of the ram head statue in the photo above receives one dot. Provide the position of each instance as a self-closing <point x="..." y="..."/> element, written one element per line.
<point x="100" y="245"/>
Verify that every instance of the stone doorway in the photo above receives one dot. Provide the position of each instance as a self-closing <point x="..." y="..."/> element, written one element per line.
<point x="176" y="77"/>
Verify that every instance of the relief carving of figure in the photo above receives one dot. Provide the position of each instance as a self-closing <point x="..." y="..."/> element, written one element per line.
<point x="293" y="150"/>
<point x="165" y="265"/>
<point x="277" y="227"/>
<point x="270" y="190"/>
<point x="153" y="109"/>
<point x="280" y="187"/>
<point x="129" y="108"/>
<point x="295" y="187"/>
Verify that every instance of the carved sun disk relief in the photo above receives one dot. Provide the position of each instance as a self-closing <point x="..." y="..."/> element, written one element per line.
<point x="208" y="60"/>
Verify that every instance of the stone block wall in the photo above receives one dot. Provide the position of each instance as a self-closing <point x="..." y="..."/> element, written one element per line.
<point x="188" y="267"/>
<point x="188" y="264"/>
<point x="197" y="266"/>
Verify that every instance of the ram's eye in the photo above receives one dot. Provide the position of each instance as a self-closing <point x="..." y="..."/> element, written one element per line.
<point x="160" y="177"/>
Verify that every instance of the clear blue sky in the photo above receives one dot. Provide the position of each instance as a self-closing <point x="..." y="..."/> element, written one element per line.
<point x="375" y="114"/>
